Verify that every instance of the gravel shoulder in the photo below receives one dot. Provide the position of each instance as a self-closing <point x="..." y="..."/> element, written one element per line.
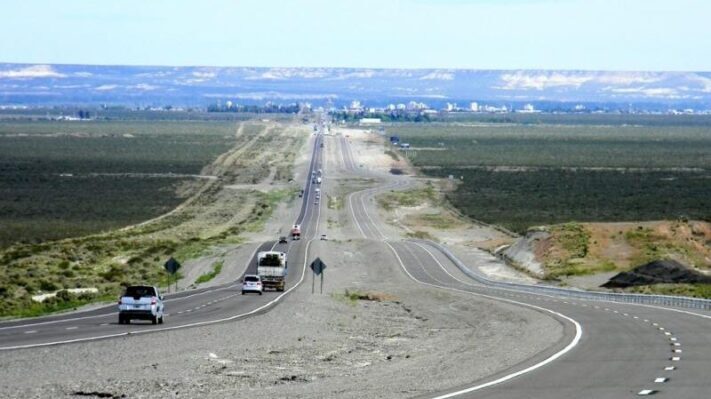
<point x="406" y="340"/>
<point x="413" y="341"/>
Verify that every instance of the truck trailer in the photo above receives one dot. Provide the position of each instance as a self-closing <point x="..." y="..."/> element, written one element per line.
<point x="272" y="269"/>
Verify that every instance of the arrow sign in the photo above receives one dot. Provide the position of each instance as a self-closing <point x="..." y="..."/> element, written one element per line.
<point x="172" y="265"/>
<point x="318" y="266"/>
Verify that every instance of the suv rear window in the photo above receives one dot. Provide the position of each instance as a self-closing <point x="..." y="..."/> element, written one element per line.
<point x="139" y="291"/>
<point x="251" y="278"/>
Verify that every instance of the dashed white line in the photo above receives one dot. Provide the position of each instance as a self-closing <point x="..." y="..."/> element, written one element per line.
<point x="646" y="392"/>
<point x="669" y="368"/>
<point x="30" y="332"/>
<point x="71" y="328"/>
<point x="661" y="379"/>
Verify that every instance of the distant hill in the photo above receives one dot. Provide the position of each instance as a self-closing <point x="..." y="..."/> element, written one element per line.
<point x="157" y="85"/>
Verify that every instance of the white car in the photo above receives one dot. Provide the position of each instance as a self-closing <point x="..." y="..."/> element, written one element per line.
<point x="252" y="283"/>
<point x="141" y="302"/>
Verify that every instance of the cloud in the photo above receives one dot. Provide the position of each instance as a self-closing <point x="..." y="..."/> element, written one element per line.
<point x="31" y="72"/>
<point x="83" y="74"/>
<point x="438" y="75"/>
<point x="106" y="87"/>
<point x="143" y="86"/>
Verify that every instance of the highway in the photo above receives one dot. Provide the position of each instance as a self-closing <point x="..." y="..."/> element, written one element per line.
<point x="184" y="309"/>
<point x="609" y="350"/>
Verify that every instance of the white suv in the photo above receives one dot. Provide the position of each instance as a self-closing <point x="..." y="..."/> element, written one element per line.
<point x="252" y="283"/>
<point x="141" y="302"/>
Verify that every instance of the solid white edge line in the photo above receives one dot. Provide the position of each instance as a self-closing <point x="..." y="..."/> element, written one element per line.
<point x="555" y="356"/>
<point x="202" y="323"/>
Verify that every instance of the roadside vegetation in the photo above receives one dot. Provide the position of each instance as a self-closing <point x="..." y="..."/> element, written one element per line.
<point x="407" y="198"/>
<point x="576" y="249"/>
<point x="67" y="179"/>
<point x="518" y="176"/>
<point x="216" y="269"/>
<point x="216" y="212"/>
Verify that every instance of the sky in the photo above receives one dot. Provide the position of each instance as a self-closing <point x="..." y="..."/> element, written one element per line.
<point x="624" y="35"/>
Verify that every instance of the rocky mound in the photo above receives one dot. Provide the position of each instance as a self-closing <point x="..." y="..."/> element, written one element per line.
<point x="657" y="272"/>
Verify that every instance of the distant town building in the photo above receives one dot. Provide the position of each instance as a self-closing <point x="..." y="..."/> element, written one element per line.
<point x="370" y="121"/>
<point x="474" y="107"/>
<point x="528" y="109"/>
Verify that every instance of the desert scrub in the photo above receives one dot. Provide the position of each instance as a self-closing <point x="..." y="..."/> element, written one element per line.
<point x="216" y="269"/>
<point x="409" y="198"/>
<point x="334" y="202"/>
<point x="352" y="296"/>
<point x="692" y="290"/>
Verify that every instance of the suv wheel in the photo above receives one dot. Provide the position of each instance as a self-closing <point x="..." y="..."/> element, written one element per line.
<point x="154" y="319"/>
<point x="160" y="321"/>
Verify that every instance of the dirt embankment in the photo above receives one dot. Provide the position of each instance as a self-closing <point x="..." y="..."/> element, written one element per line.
<point x="588" y="254"/>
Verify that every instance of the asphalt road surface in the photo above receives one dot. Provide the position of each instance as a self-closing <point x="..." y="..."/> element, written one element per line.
<point x="185" y="309"/>
<point x="609" y="350"/>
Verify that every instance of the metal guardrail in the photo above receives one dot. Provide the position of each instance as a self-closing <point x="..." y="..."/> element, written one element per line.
<point x="663" y="300"/>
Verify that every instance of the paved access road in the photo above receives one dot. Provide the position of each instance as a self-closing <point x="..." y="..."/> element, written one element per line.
<point x="184" y="309"/>
<point x="609" y="350"/>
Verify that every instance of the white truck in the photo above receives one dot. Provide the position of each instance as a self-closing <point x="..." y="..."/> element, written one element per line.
<point x="272" y="269"/>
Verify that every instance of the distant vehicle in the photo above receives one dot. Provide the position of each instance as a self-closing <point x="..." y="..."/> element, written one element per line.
<point x="323" y="237"/>
<point x="283" y="240"/>
<point x="252" y="283"/>
<point x="321" y="145"/>
<point x="318" y="180"/>
<point x="296" y="232"/>
<point x="405" y="145"/>
<point x="318" y="195"/>
<point x="320" y="172"/>
<point x="141" y="302"/>
<point x="272" y="269"/>
<point x="301" y="193"/>
<point x="317" y="190"/>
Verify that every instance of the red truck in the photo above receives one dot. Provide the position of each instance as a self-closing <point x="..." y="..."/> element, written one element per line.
<point x="296" y="232"/>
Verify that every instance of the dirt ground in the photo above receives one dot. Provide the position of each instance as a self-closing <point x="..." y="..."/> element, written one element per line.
<point x="411" y="340"/>
<point x="416" y="340"/>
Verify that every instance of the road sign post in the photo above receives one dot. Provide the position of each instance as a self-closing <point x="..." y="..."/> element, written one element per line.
<point x="317" y="267"/>
<point x="172" y="266"/>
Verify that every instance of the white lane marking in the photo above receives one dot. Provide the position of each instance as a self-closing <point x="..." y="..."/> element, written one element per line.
<point x="635" y="317"/>
<point x="104" y="324"/>
<point x="672" y="339"/>
<point x="655" y="324"/>
<point x="71" y="328"/>
<point x="677" y="351"/>
<point x="202" y="323"/>
<point x="669" y="368"/>
<point x="675" y="359"/>
<point x="667" y="333"/>
<point x="30" y="331"/>
<point x="661" y="379"/>
<point x="661" y="328"/>
<point x="114" y="314"/>
<point x="555" y="356"/>
<point x="646" y="392"/>
<point x="676" y="344"/>
<point x="646" y="321"/>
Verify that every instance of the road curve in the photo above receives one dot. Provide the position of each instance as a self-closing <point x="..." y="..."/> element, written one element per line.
<point x="609" y="350"/>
